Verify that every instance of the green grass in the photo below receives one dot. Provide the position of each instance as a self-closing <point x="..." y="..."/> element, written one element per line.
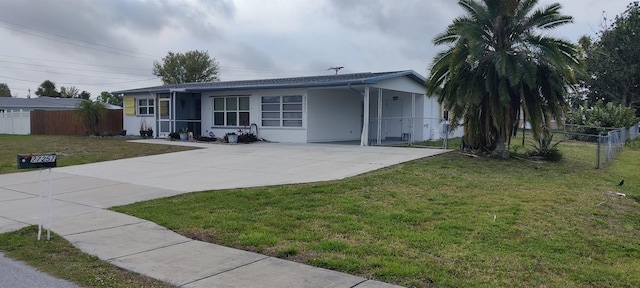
<point x="75" y="150"/>
<point x="446" y="221"/>
<point x="59" y="258"/>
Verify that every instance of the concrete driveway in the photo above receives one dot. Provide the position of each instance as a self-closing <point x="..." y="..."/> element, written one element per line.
<point x="221" y="166"/>
<point x="80" y="194"/>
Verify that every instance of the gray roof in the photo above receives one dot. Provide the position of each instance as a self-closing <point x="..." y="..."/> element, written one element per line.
<point x="366" y="78"/>
<point x="44" y="103"/>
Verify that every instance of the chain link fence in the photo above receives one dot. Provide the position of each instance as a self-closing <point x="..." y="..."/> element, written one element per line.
<point x="608" y="141"/>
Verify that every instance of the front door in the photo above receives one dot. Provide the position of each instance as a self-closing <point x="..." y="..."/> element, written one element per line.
<point x="164" y="117"/>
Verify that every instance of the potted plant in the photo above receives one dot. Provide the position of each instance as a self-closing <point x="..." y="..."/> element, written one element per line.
<point x="145" y="131"/>
<point x="184" y="134"/>
<point x="231" y="137"/>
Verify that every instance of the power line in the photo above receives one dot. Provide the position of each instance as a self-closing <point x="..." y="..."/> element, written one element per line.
<point x="230" y="68"/>
<point x="63" y="73"/>
<point x="73" y="63"/>
<point x="67" y="68"/>
<point x="22" y="30"/>
<point x="89" y="84"/>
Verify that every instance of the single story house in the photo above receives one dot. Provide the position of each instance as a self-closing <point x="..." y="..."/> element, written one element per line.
<point x="8" y="104"/>
<point x="366" y="107"/>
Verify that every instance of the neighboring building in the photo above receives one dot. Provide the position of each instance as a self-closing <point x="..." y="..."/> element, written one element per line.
<point x="16" y="115"/>
<point x="42" y="103"/>
<point x="366" y="107"/>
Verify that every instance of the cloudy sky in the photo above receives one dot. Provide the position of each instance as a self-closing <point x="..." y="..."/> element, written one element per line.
<point x="98" y="45"/>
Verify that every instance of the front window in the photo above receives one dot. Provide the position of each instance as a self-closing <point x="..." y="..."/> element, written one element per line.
<point x="231" y="111"/>
<point x="146" y="106"/>
<point x="282" y="111"/>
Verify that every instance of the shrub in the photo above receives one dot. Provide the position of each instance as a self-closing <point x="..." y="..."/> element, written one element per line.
<point x="603" y="115"/>
<point x="247" y="138"/>
<point x="174" y="136"/>
<point x="546" y="149"/>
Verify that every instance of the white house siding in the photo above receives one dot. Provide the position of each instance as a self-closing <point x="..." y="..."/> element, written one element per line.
<point x="334" y="115"/>
<point x="432" y="124"/>
<point x="404" y="84"/>
<point x="276" y="134"/>
<point x="418" y="130"/>
<point x="131" y="123"/>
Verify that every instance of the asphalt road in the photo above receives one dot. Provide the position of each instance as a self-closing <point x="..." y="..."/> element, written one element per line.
<point x="16" y="274"/>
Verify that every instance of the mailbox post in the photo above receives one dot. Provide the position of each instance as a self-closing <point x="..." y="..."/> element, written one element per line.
<point x="41" y="161"/>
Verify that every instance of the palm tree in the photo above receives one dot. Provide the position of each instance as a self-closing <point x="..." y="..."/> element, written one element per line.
<point x="498" y="65"/>
<point x="91" y="113"/>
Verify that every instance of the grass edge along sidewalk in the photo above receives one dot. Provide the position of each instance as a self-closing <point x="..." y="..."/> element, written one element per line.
<point x="60" y="259"/>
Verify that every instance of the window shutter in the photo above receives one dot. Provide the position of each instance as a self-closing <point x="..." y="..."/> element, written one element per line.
<point x="129" y="106"/>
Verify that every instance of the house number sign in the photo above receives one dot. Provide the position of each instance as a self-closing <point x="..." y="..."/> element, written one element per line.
<point x="37" y="161"/>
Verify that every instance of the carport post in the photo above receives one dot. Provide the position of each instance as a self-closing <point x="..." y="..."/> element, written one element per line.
<point x="379" y="136"/>
<point x="413" y="117"/>
<point x="364" y="137"/>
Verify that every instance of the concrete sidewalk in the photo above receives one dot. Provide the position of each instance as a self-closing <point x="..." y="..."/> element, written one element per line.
<point x="80" y="194"/>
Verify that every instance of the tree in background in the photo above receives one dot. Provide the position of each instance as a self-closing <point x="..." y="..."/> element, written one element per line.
<point x="4" y="90"/>
<point x="109" y="98"/>
<point x="84" y="95"/>
<point x="192" y="66"/>
<point x="69" y="92"/>
<point x="90" y="112"/>
<point x="47" y="88"/>
<point x="613" y="61"/>
<point x="499" y="63"/>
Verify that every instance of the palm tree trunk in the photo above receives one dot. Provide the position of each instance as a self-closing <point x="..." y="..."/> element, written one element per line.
<point x="501" y="149"/>
<point x="524" y="126"/>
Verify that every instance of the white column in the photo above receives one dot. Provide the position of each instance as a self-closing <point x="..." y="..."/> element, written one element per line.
<point x="379" y="136"/>
<point x="172" y="111"/>
<point x="364" y="138"/>
<point x="413" y="117"/>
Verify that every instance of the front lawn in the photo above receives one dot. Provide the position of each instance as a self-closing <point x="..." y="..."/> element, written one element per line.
<point x="75" y="150"/>
<point x="446" y="221"/>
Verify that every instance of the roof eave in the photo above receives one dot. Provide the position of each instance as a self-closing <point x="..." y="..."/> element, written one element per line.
<point x="409" y="73"/>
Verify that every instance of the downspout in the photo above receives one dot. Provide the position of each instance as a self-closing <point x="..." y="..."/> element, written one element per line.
<point x="356" y="90"/>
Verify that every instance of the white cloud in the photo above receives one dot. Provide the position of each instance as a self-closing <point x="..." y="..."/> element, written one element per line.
<point x="250" y="38"/>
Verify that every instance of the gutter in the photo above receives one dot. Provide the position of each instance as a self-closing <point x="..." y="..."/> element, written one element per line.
<point x="356" y="90"/>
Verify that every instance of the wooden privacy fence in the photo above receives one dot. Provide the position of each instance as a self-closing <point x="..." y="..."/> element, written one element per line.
<point x="67" y="122"/>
